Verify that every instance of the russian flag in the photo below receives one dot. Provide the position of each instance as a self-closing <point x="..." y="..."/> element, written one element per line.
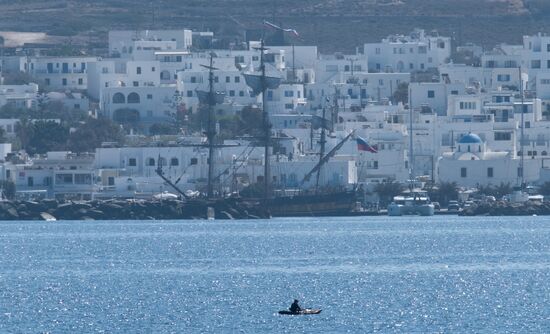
<point x="362" y="145"/>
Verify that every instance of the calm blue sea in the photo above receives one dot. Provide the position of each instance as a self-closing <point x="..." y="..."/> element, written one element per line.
<point x="369" y="275"/>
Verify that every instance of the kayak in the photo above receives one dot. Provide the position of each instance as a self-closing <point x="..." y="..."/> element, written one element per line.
<point x="302" y="312"/>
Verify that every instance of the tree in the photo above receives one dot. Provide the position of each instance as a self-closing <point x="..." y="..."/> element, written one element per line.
<point x="92" y="133"/>
<point x="446" y="192"/>
<point x="8" y="188"/>
<point x="162" y="129"/>
<point x="387" y="191"/>
<point x="401" y="94"/>
<point x="24" y="130"/>
<point x="47" y="136"/>
<point x="545" y="188"/>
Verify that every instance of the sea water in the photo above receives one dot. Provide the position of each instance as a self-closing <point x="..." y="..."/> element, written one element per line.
<point x="439" y="274"/>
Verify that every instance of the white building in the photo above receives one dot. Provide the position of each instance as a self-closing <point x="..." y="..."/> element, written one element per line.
<point x="473" y="164"/>
<point x="61" y="73"/>
<point x="19" y="96"/>
<point x="122" y="42"/>
<point x="415" y="52"/>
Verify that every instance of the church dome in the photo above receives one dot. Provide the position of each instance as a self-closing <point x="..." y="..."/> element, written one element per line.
<point x="470" y="139"/>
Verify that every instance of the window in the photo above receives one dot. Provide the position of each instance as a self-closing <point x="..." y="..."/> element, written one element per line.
<point x="535" y="63"/>
<point x="64" y="82"/>
<point x="228" y="79"/>
<point x="80" y="81"/>
<point x="289" y="106"/>
<point x="189" y="93"/>
<point x="174" y="162"/>
<point x="270" y="95"/>
<point x="520" y="172"/>
<point x="133" y="98"/>
<point x="454" y="92"/>
<point x="503" y="77"/>
<point x="289" y="93"/>
<point x="377" y="51"/>
<point x="381" y="82"/>
<point x="193" y="79"/>
<point x="463" y="172"/>
<point x="138" y="70"/>
<point x="47" y="81"/>
<point x="119" y="98"/>
<point x="150" y="162"/>
<point x="468" y="105"/>
<point x="178" y="59"/>
<point x="63" y="178"/>
<point x="241" y="93"/>
<point x="490" y="172"/>
<point x="231" y="93"/>
<point x="411" y="66"/>
<point x="194" y="161"/>
<point x="149" y="96"/>
<point x="135" y="83"/>
<point x="82" y="179"/>
<point x="510" y="64"/>
<point x="111" y="181"/>
<point x="153" y="69"/>
<point x="431" y="94"/>
<point x="237" y="79"/>
<point x="30" y="181"/>
<point x="548" y="47"/>
<point x="503" y="136"/>
<point x="132" y="162"/>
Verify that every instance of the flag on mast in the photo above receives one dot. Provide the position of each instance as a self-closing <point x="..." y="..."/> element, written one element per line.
<point x="276" y="27"/>
<point x="363" y="145"/>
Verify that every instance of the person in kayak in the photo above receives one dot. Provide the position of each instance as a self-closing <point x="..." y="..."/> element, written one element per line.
<point x="295" y="308"/>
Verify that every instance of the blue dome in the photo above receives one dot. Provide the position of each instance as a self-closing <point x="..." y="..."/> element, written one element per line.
<point x="470" y="139"/>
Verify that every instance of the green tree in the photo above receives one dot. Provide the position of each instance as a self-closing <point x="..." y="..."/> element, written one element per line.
<point x="446" y="192"/>
<point x="8" y="189"/>
<point x="90" y="134"/>
<point x="387" y="191"/>
<point x="24" y="131"/>
<point x="401" y="94"/>
<point x="163" y="129"/>
<point x="545" y="188"/>
<point x="47" y="136"/>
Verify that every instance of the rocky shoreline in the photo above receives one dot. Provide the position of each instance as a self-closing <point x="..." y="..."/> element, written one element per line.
<point x="501" y="208"/>
<point x="117" y="209"/>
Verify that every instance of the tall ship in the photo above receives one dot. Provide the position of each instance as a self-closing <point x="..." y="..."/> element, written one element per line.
<point x="313" y="202"/>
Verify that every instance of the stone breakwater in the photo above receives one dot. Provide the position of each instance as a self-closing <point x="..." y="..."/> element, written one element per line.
<point x="131" y="210"/>
<point x="507" y="209"/>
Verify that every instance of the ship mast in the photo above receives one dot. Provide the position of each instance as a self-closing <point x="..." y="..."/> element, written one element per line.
<point x="411" y="153"/>
<point x="266" y="124"/>
<point x="522" y="178"/>
<point x="210" y="130"/>
<point x="322" y="142"/>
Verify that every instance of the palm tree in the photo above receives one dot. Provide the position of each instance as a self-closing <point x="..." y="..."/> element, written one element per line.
<point x="387" y="190"/>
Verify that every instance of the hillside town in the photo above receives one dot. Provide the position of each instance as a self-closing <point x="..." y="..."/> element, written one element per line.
<point x="414" y="107"/>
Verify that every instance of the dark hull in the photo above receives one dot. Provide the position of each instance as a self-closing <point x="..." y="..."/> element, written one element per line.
<point x="302" y="312"/>
<point x="313" y="205"/>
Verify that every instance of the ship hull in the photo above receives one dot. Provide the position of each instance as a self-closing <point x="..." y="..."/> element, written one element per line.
<point x="313" y="205"/>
